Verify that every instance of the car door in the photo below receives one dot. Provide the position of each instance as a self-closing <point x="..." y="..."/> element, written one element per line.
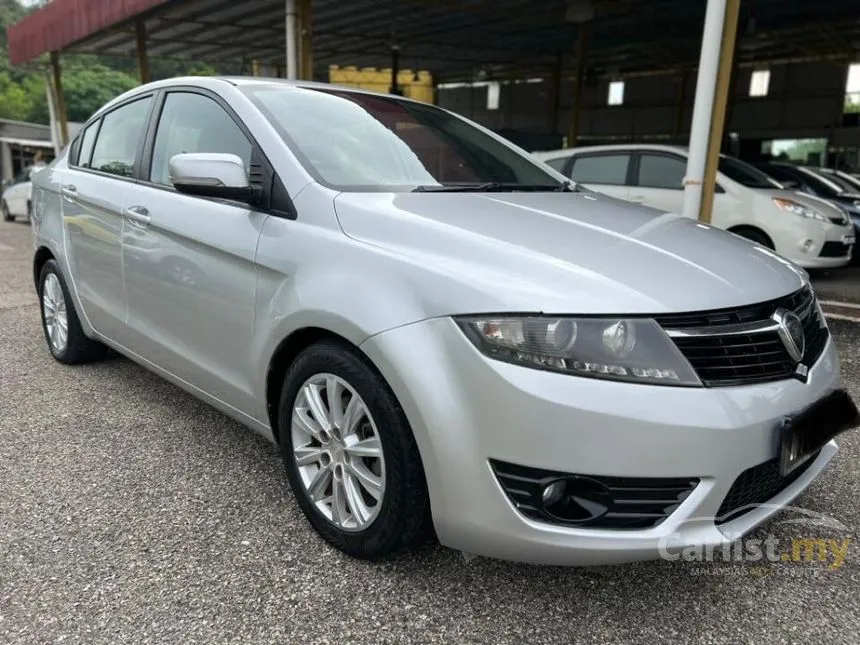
<point x="94" y="188"/>
<point x="658" y="180"/>
<point x="188" y="261"/>
<point x="606" y="172"/>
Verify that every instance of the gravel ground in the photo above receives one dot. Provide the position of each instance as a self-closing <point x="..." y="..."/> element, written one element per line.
<point x="131" y="513"/>
<point x="839" y="284"/>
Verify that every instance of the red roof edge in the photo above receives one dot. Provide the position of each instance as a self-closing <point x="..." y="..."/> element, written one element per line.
<point x="65" y="22"/>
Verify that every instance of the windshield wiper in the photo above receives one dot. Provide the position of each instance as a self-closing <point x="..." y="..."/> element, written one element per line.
<point x="495" y="186"/>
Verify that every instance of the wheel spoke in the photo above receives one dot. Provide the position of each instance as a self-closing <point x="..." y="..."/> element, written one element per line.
<point x="338" y="503"/>
<point x="370" y="482"/>
<point x="356" y="503"/>
<point x="307" y="455"/>
<point x="319" y="484"/>
<point x="305" y="424"/>
<point x="369" y="447"/>
<point x="317" y="407"/>
<point x="353" y="414"/>
<point x="334" y="394"/>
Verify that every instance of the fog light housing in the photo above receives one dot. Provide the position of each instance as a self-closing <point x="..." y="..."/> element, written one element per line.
<point x="806" y="245"/>
<point x="552" y="493"/>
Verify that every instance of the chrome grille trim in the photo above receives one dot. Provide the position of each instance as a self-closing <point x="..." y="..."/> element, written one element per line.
<point x="742" y="345"/>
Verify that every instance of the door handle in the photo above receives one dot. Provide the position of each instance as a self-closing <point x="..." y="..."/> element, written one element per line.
<point x="637" y="199"/>
<point x="138" y="215"/>
<point x="70" y="191"/>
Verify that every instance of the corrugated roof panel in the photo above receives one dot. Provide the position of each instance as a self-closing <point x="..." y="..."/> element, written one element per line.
<point x="64" y="22"/>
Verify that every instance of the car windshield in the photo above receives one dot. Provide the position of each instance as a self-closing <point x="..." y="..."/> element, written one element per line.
<point x="843" y="185"/>
<point x="353" y="141"/>
<point x="745" y="174"/>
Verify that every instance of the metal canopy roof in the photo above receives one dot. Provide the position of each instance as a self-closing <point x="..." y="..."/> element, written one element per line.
<point x="457" y="40"/>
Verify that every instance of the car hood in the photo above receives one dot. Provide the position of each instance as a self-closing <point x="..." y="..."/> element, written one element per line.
<point x="565" y="252"/>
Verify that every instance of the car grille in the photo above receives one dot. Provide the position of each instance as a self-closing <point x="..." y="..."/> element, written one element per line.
<point x="722" y="359"/>
<point x="757" y="485"/>
<point x="834" y="250"/>
<point x="606" y="502"/>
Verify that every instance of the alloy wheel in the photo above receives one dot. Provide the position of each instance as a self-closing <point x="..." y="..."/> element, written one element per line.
<point x="56" y="316"/>
<point x="338" y="452"/>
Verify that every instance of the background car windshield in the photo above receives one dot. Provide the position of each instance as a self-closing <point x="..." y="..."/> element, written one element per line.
<point x="350" y="140"/>
<point x="842" y="185"/>
<point x="745" y="174"/>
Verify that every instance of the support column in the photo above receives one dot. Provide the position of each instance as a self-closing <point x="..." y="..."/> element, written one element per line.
<point x="395" y="70"/>
<point x="5" y="161"/>
<point x="291" y="53"/>
<point x="679" y="102"/>
<point x="142" y="55"/>
<point x="553" y="95"/>
<point x="709" y="109"/>
<point x="576" y="99"/>
<point x="306" y="29"/>
<point x="62" y="118"/>
<point x="721" y="100"/>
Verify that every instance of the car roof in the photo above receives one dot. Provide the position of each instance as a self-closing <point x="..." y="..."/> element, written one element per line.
<point x="213" y="82"/>
<point x="567" y="152"/>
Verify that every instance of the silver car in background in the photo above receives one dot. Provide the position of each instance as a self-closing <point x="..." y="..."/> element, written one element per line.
<point x="439" y="332"/>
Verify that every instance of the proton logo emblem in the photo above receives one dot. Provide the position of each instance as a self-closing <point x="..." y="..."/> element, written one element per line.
<point x="790" y="330"/>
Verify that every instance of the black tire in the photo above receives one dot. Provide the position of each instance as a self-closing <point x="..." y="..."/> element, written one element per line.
<point x="79" y="349"/>
<point x="7" y="216"/>
<point x="403" y="519"/>
<point x="755" y="235"/>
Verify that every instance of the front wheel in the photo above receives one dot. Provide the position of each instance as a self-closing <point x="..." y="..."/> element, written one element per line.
<point x="350" y="455"/>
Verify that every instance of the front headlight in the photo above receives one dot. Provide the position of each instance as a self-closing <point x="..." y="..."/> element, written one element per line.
<point x="620" y="349"/>
<point x="790" y="206"/>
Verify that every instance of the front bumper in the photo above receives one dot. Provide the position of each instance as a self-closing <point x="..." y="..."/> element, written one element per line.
<point x="826" y="234"/>
<point x="466" y="409"/>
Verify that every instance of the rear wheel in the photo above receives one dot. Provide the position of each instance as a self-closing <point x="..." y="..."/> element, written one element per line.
<point x="350" y="455"/>
<point x="60" y="322"/>
<point x="7" y="216"/>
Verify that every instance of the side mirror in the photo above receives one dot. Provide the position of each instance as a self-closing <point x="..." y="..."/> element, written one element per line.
<point x="791" y="184"/>
<point x="211" y="174"/>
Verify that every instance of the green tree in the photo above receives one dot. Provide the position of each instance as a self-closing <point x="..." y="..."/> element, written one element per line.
<point x="86" y="90"/>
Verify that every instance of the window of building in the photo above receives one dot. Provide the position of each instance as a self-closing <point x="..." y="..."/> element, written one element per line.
<point x="616" y="93"/>
<point x="493" y="92"/>
<point x="759" y="82"/>
<point x="852" y="89"/>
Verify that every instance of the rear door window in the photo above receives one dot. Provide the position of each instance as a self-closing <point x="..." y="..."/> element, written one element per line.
<point x="118" y="142"/>
<point x="85" y="150"/>
<point x="601" y="169"/>
<point x="661" y="171"/>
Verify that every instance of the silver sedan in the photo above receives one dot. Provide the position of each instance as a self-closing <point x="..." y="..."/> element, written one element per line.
<point x="438" y="331"/>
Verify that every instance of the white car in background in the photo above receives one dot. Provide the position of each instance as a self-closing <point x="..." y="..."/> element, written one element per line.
<point x="15" y="201"/>
<point x="807" y="230"/>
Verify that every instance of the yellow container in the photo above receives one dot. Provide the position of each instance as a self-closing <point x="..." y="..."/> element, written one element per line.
<point x="415" y="85"/>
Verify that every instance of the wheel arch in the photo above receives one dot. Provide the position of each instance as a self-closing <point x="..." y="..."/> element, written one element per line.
<point x="284" y="355"/>
<point x="43" y="254"/>
<point x="742" y="228"/>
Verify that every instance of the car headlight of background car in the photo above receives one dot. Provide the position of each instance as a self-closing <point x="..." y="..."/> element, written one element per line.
<point x="790" y="206"/>
<point x="622" y="349"/>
